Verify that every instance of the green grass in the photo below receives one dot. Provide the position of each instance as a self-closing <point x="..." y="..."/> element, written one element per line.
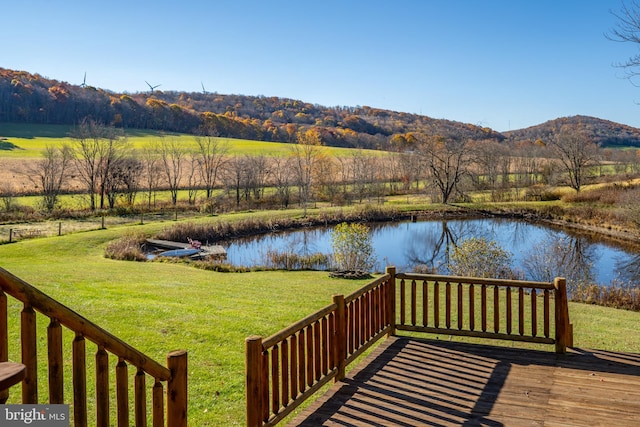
<point x="159" y="307"/>
<point x="31" y="140"/>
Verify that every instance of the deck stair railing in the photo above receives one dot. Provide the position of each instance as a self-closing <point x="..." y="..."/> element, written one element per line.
<point x="284" y="370"/>
<point x="174" y="375"/>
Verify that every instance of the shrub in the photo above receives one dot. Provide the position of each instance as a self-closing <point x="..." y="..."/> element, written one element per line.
<point x="352" y="247"/>
<point x="478" y="257"/>
<point x="127" y="248"/>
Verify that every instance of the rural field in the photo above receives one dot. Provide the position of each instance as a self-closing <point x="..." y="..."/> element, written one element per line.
<point x="158" y="307"/>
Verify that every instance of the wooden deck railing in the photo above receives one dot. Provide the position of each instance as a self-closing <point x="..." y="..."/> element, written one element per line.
<point x="285" y="369"/>
<point x="487" y="308"/>
<point x="174" y="374"/>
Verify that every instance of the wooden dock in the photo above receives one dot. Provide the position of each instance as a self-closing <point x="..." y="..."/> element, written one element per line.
<point x="215" y="250"/>
<point x="421" y="382"/>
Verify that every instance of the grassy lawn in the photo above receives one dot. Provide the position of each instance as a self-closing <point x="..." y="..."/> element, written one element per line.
<point x="159" y="307"/>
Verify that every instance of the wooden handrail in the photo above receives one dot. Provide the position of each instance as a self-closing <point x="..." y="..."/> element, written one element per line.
<point x="477" y="280"/>
<point x="51" y="308"/>
<point x="285" y="369"/>
<point x="175" y="374"/>
<point x="427" y="293"/>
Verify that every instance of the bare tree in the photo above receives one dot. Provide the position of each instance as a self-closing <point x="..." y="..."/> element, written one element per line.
<point x="628" y="30"/>
<point x="235" y="176"/>
<point x="124" y="179"/>
<point x="7" y="196"/>
<point x="210" y="158"/>
<point x="256" y="174"/>
<point x="282" y="178"/>
<point x="305" y="154"/>
<point x="172" y="157"/>
<point x="193" y="180"/>
<point x="51" y="173"/>
<point x="447" y="161"/>
<point x="152" y="166"/>
<point x="98" y="148"/>
<point x="576" y="153"/>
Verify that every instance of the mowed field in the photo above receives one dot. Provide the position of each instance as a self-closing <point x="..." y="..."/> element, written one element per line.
<point x="22" y="144"/>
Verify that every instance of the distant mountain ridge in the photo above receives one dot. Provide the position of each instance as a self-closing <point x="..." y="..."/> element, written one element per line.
<point x="604" y="132"/>
<point x="31" y="98"/>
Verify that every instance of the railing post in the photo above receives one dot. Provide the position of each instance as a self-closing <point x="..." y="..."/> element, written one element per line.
<point x="563" y="327"/>
<point x="4" y="338"/>
<point x="253" y="372"/>
<point x="177" y="389"/>
<point x="391" y="300"/>
<point x="29" y="354"/>
<point x="340" y="342"/>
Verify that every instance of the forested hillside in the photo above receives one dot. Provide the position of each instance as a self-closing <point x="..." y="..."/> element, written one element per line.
<point x="32" y="98"/>
<point x="603" y="132"/>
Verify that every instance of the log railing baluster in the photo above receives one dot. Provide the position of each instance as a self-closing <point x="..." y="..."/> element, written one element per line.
<point x="472" y="314"/>
<point x="284" y="368"/>
<point x="460" y="308"/>
<point x="140" y="399"/>
<point x="413" y="302"/>
<point x="122" y="393"/>
<point x="102" y="387"/>
<point x="79" y="371"/>
<point x="483" y="306"/>
<point x="534" y="313"/>
<point x="447" y="313"/>
<point x="425" y="303"/>
<point x="275" y="379"/>
<point x="509" y="319"/>
<point x="56" y="364"/>
<point x="157" y="401"/>
<point x="496" y="309"/>
<point x="29" y="354"/>
<point x="521" y="311"/>
<point x="436" y="304"/>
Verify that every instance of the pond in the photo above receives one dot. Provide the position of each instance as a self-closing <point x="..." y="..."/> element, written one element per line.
<point x="406" y="245"/>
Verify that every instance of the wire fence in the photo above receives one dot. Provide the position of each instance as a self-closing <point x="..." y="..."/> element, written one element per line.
<point x="15" y="232"/>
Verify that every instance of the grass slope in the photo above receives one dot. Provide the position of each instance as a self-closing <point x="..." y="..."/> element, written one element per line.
<point x="159" y="307"/>
<point x="24" y="141"/>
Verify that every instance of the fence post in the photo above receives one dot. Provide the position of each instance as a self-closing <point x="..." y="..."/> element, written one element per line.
<point x="253" y="373"/>
<point x="177" y="389"/>
<point x="563" y="327"/>
<point x="391" y="301"/>
<point x="340" y="348"/>
<point x="11" y="235"/>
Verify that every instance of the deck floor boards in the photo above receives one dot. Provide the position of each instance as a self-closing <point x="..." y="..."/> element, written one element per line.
<point x="419" y="382"/>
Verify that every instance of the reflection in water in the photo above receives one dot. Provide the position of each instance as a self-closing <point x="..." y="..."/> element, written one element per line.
<point x="540" y="253"/>
<point x="628" y="269"/>
<point x="562" y="255"/>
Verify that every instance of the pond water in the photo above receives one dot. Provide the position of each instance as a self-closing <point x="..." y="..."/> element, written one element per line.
<point x="409" y="244"/>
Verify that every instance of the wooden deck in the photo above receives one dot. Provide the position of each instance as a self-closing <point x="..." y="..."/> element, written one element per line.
<point x="414" y="382"/>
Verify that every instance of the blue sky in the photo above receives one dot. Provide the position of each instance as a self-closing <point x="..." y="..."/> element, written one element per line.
<point x="506" y="64"/>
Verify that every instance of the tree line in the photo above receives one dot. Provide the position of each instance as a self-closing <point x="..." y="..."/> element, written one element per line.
<point x="101" y="163"/>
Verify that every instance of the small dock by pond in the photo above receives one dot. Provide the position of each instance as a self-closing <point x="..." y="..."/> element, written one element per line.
<point x="215" y="251"/>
